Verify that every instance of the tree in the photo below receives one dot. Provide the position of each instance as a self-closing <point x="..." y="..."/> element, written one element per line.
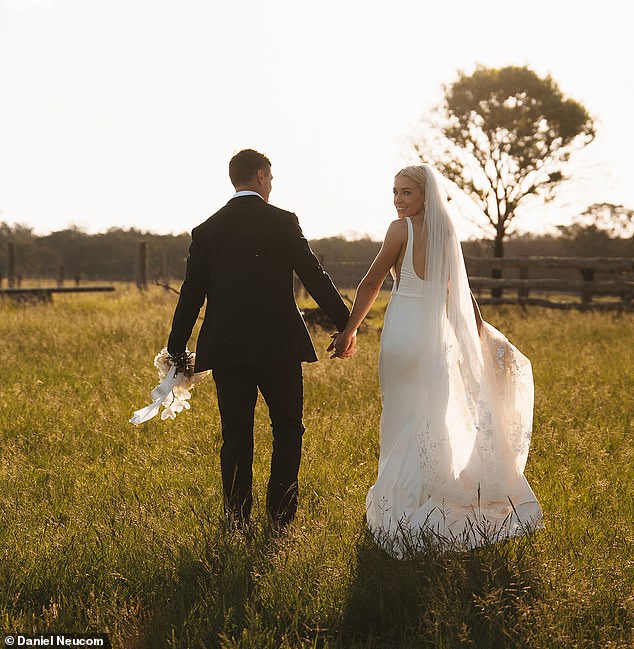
<point x="616" y="220"/>
<point x="602" y="230"/>
<point x="505" y="135"/>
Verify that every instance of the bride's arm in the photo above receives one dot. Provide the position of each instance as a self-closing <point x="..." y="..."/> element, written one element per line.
<point x="370" y="285"/>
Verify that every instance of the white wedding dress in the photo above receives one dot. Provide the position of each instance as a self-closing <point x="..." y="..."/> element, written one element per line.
<point x="453" y="445"/>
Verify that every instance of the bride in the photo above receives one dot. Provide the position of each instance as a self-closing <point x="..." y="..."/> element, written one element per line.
<point x="457" y="396"/>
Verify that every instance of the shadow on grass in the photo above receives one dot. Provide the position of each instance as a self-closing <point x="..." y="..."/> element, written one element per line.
<point x="479" y="598"/>
<point x="476" y="598"/>
<point x="206" y="603"/>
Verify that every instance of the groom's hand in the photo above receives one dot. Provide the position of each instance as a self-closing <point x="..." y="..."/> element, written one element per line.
<point x="331" y="347"/>
<point x="180" y="360"/>
<point x="343" y="345"/>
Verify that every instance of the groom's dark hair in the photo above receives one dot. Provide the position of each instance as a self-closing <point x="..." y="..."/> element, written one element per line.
<point x="245" y="164"/>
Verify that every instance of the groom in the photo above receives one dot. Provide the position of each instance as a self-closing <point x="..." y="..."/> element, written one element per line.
<point x="253" y="337"/>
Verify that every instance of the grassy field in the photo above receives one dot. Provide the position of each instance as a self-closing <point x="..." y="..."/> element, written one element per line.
<point x="112" y="528"/>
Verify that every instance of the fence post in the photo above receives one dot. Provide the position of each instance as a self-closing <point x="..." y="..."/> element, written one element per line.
<point x="60" y="276"/>
<point x="588" y="277"/>
<point x="141" y="280"/>
<point x="522" y="293"/>
<point x="166" y="271"/>
<point x="496" y="273"/>
<point x="11" y="266"/>
<point x="498" y="253"/>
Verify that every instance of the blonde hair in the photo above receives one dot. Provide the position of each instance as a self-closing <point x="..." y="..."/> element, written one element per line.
<point x="416" y="173"/>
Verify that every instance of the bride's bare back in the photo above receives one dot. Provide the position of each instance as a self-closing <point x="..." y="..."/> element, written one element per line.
<point x="419" y="250"/>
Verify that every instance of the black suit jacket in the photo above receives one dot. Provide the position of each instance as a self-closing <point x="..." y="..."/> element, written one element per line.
<point x="242" y="261"/>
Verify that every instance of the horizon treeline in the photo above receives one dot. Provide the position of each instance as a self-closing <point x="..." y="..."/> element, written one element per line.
<point x="113" y="255"/>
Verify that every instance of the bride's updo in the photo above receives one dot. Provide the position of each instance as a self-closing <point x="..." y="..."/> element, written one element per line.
<point x="416" y="173"/>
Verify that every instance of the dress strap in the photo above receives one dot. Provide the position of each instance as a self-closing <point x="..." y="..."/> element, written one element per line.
<point x="409" y="247"/>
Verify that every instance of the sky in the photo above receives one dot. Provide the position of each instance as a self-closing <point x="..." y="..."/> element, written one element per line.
<point x="125" y="113"/>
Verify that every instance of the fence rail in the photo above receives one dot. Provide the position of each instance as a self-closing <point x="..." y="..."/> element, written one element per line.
<point x="554" y="285"/>
<point x="46" y="294"/>
<point x="619" y="270"/>
<point x="603" y="277"/>
<point x="604" y="264"/>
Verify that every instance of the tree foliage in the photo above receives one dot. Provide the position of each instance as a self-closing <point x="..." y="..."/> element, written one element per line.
<point x="505" y="135"/>
<point x="614" y="220"/>
<point x="110" y="255"/>
<point x="600" y="230"/>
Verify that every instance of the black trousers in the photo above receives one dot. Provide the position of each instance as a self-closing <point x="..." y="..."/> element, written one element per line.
<point x="282" y="388"/>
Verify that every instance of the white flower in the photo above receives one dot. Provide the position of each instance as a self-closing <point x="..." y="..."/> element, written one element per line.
<point x="162" y="363"/>
<point x="168" y="412"/>
<point x="173" y="392"/>
<point x="181" y="393"/>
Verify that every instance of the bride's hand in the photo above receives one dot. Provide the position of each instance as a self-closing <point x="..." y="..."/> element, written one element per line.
<point x="343" y="344"/>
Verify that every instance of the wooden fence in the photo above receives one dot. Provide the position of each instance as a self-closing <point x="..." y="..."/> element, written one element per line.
<point x="14" y="278"/>
<point x="533" y="280"/>
<point x="609" y="278"/>
<point x="46" y="294"/>
<point x="597" y="282"/>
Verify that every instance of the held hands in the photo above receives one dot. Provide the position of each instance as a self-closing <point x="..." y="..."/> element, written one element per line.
<point x="343" y="345"/>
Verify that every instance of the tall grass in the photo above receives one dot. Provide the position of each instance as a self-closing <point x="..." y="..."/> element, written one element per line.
<point x="111" y="528"/>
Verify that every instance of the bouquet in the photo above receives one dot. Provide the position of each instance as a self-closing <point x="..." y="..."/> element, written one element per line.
<point x="177" y="377"/>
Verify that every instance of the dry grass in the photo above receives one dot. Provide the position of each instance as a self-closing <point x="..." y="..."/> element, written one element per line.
<point x="107" y="527"/>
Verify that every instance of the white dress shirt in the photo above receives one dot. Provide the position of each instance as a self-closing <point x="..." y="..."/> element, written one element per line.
<point x="246" y="192"/>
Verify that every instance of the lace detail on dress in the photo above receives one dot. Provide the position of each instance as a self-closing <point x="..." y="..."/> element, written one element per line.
<point x="427" y="450"/>
<point x="512" y="385"/>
